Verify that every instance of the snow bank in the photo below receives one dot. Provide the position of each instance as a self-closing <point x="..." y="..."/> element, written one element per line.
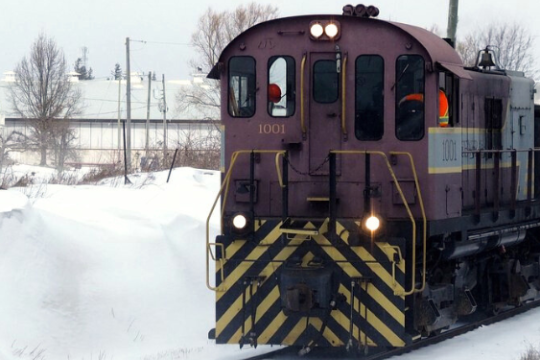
<point x="110" y="272"/>
<point x="11" y="201"/>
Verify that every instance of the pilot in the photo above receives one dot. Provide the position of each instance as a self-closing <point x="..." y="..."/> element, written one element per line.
<point x="443" y="105"/>
<point x="443" y="109"/>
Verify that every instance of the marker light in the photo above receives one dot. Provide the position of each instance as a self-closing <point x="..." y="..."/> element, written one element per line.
<point x="331" y="30"/>
<point x="373" y="223"/>
<point x="239" y="221"/>
<point x="316" y="30"/>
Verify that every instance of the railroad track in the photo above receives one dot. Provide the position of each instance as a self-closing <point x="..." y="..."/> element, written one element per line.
<point x="290" y="353"/>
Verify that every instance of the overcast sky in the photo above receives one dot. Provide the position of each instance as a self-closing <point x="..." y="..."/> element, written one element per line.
<point x="166" y="25"/>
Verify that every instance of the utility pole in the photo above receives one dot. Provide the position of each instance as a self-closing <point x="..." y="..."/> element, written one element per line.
<point x="128" y="104"/>
<point x="119" y="118"/>
<point x="84" y="56"/>
<point x="164" y="123"/>
<point x="452" y="21"/>
<point x="147" y="143"/>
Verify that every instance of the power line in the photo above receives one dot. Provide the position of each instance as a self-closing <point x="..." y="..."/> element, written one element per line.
<point x="113" y="112"/>
<point x="110" y="100"/>
<point x="162" y="42"/>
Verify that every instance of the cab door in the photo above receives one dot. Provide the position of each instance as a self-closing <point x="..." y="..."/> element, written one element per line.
<point x="324" y="110"/>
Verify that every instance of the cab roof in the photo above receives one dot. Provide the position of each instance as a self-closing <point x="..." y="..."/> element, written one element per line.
<point x="439" y="50"/>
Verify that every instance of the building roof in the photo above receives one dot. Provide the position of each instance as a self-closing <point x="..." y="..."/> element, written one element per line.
<point x="100" y="97"/>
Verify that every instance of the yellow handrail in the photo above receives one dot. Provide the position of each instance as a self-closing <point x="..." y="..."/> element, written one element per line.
<point x="404" y="200"/>
<point x="208" y="246"/>
<point x="424" y="219"/>
<point x="226" y="184"/>
<point x="302" y="111"/>
<point x="343" y="96"/>
<point x="225" y="189"/>
<point x="397" y="250"/>
<point x="280" y="178"/>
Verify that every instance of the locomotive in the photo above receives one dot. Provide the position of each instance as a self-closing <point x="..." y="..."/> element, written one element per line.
<point x="375" y="190"/>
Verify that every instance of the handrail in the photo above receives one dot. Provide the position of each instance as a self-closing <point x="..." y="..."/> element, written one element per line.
<point x="302" y="110"/>
<point x="343" y="96"/>
<point x="226" y="185"/>
<point x="225" y="189"/>
<point x="424" y="218"/>
<point x="280" y="177"/>
<point x="208" y="246"/>
<point x="404" y="200"/>
<point x="397" y="249"/>
<point x="493" y="161"/>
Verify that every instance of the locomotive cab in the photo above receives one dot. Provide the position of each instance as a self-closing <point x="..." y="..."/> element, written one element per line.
<point x="364" y="170"/>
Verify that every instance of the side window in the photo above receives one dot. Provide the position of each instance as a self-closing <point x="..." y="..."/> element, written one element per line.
<point x="448" y="94"/>
<point x="242" y="86"/>
<point x="281" y="86"/>
<point x="410" y="97"/>
<point x="325" y="82"/>
<point x="369" y="98"/>
<point x="493" y="112"/>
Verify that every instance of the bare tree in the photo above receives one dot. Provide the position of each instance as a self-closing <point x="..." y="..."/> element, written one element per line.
<point x="8" y="141"/>
<point x="209" y="38"/>
<point x="214" y="31"/>
<point x="199" y="148"/>
<point x="43" y="94"/>
<point x="62" y="142"/>
<point x="200" y="99"/>
<point x="513" y="42"/>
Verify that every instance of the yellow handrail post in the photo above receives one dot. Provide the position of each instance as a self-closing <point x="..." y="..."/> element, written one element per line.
<point x="280" y="177"/>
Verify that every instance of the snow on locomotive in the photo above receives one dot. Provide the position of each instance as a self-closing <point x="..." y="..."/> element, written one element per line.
<point x="374" y="190"/>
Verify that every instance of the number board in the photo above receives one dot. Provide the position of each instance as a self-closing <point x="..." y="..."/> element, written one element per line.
<point x="444" y="150"/>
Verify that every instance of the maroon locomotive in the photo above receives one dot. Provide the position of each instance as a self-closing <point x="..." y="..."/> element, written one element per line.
<point x="374" y="189"/>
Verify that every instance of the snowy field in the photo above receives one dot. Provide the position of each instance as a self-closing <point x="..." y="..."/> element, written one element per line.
<point x="108" y="271"/>
<point x="113" y="271"/>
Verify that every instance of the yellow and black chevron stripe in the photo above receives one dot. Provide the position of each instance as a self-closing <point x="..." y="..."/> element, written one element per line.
<point x="249" y="303"/>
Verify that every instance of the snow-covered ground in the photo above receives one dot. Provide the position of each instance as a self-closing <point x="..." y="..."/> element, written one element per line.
<point x="109" y="271"/>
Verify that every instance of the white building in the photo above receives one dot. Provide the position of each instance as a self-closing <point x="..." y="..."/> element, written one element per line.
<point x="99" y="129"/>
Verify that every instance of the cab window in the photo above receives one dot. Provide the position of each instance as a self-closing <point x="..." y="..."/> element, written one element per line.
<point x="448" y="116"/>
<point x="410" y="97"/>
<point x="242" y="86"/>
<point x="281" y="86"/>
<point x="369" y="100"/>
<point x="325" y="82"/>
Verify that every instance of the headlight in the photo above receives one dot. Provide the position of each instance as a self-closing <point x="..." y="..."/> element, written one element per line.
<point x="239" y="222"/>
<point x="331" y="30"/>
<point x="372" y="223"/>
<point x="316" y="30"/>
<point x="325" y="30"/>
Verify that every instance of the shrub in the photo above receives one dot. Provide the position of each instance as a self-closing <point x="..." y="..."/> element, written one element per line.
<point x="531" y="354"/>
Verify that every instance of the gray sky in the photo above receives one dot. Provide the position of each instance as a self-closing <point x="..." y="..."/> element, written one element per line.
<point x="103" y="25"/>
